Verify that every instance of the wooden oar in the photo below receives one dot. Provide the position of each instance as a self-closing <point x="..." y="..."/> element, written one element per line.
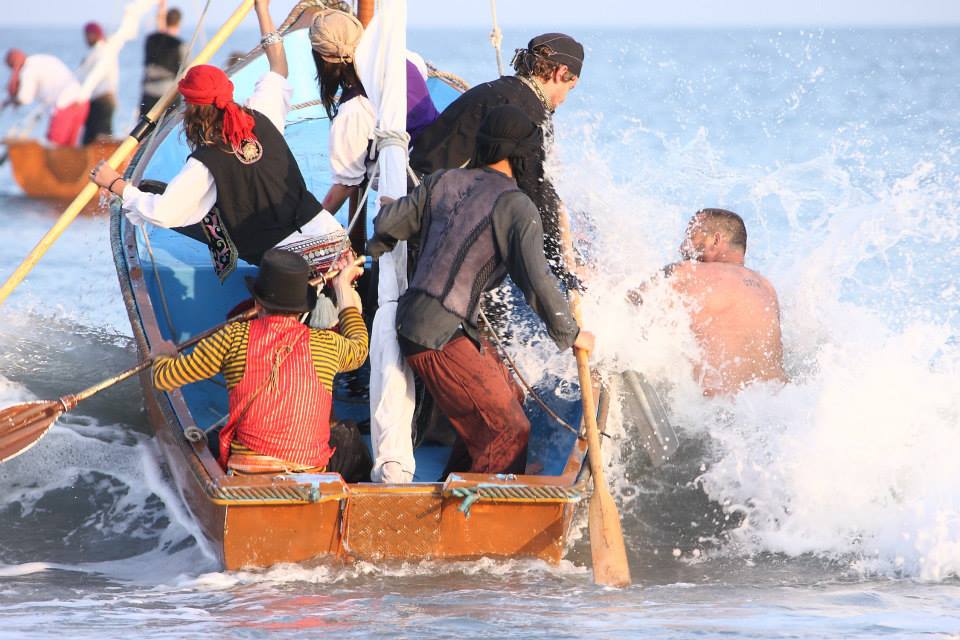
<point x="609" y="553"/>
<point x="127" y="147"/>
<point x="22" y="425"/>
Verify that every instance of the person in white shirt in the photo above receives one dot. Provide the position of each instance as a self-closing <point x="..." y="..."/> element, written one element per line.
<point x="47" y="80"/>
<point x="241" y="184"/>
<point x="102" y="61"/>
<point x="334" y="36"/>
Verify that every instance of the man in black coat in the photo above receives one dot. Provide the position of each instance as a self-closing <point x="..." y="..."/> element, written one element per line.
<point x="546" y="70"/>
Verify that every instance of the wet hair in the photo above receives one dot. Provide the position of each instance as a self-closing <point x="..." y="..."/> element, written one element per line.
<point x="726" y="222"/>
<point x="173" y="17"/>
<point x="334" y="77"/>
<point x="534" y="63"/>
<point x="203" y="125"/>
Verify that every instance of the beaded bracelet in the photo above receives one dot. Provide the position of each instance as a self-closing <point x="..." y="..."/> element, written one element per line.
<point x="270" y="39"/>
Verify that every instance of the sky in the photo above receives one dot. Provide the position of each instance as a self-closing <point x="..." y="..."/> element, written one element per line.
<point x="558" y="13"/>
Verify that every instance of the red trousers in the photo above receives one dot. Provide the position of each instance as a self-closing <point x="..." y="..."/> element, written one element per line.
<point x="483" y="403"/>
<point x="66" y="123"/>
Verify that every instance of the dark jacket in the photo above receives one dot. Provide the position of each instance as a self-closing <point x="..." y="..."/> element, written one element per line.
<point x="424" y="318"/>
<point x="449" y="143"/>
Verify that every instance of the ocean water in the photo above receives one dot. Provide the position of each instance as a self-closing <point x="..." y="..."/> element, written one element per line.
<point x="827" y="508"/>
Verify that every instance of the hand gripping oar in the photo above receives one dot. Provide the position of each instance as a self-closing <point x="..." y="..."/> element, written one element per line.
<point x="22" y="425"/>
<point x="607" y="548"/>
<point x="143" y="128"/>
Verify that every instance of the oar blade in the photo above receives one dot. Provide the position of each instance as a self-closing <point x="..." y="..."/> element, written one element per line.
<point x="610" y="566"/>
<point x="645" y="415"/>
<point x="22" y="425"/>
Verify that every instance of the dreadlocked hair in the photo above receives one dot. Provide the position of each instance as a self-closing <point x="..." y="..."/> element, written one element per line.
<point x="333" y="78"/>
<point x="536" y="63"/>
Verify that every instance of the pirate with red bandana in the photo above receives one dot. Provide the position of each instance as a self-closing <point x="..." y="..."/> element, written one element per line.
<point x="241" y="190"/>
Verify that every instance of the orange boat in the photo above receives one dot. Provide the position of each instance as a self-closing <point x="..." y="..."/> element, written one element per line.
<point x="171" y="292"/>
<point x="56" y="173"/>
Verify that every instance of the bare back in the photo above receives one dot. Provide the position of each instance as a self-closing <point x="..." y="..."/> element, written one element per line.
<point x="735" y="316"/>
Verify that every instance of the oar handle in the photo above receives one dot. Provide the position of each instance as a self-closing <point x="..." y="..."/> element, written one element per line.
<point x="126" y="148"/>
<point x="72" y="400"/>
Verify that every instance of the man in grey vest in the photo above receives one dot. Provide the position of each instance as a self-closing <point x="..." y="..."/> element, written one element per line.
<point x="474" y="227"/>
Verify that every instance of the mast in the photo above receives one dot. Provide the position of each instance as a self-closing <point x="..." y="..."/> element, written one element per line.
<point x="365" y="11"/>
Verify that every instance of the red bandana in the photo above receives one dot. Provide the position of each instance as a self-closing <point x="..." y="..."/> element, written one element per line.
<point x="206" y="84"/>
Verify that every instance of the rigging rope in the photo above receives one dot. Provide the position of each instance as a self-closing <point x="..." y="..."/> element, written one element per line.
<point x="496" y="36"/>
<point x="149" y="143"/>
<point x="513" y="365"/>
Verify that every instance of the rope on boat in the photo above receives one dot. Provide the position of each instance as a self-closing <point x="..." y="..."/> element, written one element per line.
<point x="451" y="79"/>
<point x="496" y="36"/>
<point x="513" y="365"/>
<point x="163" y="296"/>
<point x="149" y="142"/>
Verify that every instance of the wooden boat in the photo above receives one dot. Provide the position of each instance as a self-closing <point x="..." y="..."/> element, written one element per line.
<point x="56" y="173"/>
<point x="171" y="292"/>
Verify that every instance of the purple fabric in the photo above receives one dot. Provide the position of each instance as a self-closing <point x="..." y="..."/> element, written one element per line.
<point x="420" y="108"/>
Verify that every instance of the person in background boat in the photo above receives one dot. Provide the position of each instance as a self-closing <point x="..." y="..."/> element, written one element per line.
<point x="163" y="54"/>
<point x="101" y="70"/>
<point x="475" y="227"/>
<point x="734" y="312"/>
<point x="240" y="163"/>
<point x="546" y="71"/>
<point x="279" y="374"/>
<point x="334" y="36"/>
<point x="46" y="79"/>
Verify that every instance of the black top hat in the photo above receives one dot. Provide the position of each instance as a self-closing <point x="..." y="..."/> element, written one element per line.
<point x="282" y="284"/>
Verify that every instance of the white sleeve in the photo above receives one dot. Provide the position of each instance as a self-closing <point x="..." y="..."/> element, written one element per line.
<point x="27" y="92"/>
<point x="188" y="198"/>
<point x="350" y="134"/>
<point x="271" y="97"/>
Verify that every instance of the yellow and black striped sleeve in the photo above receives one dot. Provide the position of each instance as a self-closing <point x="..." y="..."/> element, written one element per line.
<point x="335" y="352"/>
<point x="207" y="359"/>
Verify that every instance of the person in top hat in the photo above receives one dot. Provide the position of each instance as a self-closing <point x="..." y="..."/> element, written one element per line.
<point x="546" y="71"/>
<point x="241" y="184"/>
<point x="46" y="79"/>
<point x="279" y="374"/>
<point x="334" y="36"/>
<point x="474" y="227"/>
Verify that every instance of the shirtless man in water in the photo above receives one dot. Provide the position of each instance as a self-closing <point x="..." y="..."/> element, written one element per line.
<point x="734" y="311"/>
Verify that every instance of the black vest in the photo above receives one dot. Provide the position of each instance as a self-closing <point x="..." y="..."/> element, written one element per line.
<point x="458" y="254"/>
<point x="161" y="57"/>
<point x="262" y="203"/>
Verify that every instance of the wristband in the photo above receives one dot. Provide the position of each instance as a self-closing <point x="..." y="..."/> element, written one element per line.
<point x="113" y="182"/>
<point x="270" y="39"/>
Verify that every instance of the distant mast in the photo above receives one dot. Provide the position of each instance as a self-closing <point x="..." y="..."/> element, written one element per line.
<point x="365" y="10"/>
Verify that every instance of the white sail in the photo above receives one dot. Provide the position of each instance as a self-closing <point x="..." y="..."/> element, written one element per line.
<point x="381" y="64"/>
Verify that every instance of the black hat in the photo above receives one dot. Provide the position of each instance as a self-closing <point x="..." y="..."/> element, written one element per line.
<point x="562" y="49"/>
<point x="282" y="284"/>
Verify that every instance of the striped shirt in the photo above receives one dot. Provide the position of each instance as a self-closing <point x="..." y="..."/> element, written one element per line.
<point x="226" y="352"/>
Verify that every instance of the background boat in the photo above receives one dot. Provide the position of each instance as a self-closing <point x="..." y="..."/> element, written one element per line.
<point x="55" y="173"/>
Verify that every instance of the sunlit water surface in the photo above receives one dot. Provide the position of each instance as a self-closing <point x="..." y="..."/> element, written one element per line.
<point x="828" y="508"/>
